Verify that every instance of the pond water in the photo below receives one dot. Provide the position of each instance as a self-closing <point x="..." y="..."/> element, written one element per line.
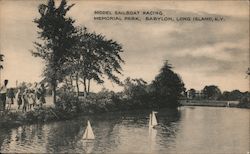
<point x="186" y="130"/>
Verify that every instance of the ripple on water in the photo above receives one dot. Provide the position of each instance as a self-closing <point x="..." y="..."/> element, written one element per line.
<point x="187" y="130"/>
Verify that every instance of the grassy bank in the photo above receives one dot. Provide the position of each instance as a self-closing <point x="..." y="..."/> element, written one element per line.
<point x="69" y="107"/>
<point x="38" y="115"/>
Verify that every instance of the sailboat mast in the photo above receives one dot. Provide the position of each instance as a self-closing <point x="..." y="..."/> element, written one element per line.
<point x="87" y="131"/>
<point x="150" y="120"/>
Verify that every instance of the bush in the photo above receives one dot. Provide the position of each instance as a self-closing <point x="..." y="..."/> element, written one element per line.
<point x="244" y="102"/>
<point x="67" y="101"/>
<point x="101" y="102"/>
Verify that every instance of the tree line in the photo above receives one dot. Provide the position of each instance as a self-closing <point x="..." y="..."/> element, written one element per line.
<point x="164" y="91"/>
<point x="73" y="54"/>
<point x="213" y="92"/>
<point x="76" y="57"/>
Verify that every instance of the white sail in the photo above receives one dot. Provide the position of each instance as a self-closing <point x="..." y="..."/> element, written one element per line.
<point x="152" y="119"/>
<point x="152" y="139"/>
<point x="88" y="134"/>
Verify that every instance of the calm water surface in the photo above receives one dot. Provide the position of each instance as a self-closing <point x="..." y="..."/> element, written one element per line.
<point x="187" y="130"/>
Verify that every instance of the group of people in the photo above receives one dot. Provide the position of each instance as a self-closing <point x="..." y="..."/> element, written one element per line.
<point x="25" y="97"/>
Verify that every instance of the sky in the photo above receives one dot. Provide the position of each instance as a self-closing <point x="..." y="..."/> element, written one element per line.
<point x="202" y="52"/>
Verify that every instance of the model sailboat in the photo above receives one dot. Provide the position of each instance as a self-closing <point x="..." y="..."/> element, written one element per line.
<point x="152" y="119"/>
<point x="88" y="134"/>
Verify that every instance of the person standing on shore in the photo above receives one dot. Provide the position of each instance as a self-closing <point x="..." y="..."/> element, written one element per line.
<point x="19" y="98"/>
<point x="41" y="92"/>
<point x="10" y="96"/>
<point x="32" y="98"/>
<point x="25" y="100"/>
<point x="38" y="96"/>
<point x="34" y="94"/>
<point x="3" y="92"/>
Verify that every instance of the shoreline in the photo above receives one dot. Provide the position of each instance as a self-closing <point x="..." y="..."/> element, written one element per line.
<point x="49" y="114"/>
<point x="215" y="103"/>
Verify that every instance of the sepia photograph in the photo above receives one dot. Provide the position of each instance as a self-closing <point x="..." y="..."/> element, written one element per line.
<point x="121" y="77"/>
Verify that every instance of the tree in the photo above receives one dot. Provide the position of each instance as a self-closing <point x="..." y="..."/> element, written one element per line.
<point x="225" y="96"/>
<point x="95" y="58"/>
<point x="136" y="94"/>
<point x="167" y="86"/>
<point x="57" y="38"/>
<point x="191" y="93"/>
<point x="135" y="88"/>
<point x="235" y="95"/>
<point x="211" y="92"/>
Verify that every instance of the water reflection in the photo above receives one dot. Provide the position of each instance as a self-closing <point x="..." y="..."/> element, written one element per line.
<point x="5" y="136"/>
<point x="63" y="138"/>
<point x="186" y="130"/>
<point x="66" y="136"/>
<point x="152" y="139"/>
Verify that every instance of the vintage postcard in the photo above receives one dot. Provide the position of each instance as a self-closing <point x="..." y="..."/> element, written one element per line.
<point x="109" y="76"/>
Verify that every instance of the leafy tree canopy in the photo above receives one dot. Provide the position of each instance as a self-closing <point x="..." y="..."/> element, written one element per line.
<point x="211" y="92"/>
<point x="57" y="36"/>
<point x="168" y="86"/>
<point x="94" y="57"/>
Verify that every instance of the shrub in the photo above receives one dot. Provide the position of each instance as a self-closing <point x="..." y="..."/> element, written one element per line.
<point x="67" y="101"/>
